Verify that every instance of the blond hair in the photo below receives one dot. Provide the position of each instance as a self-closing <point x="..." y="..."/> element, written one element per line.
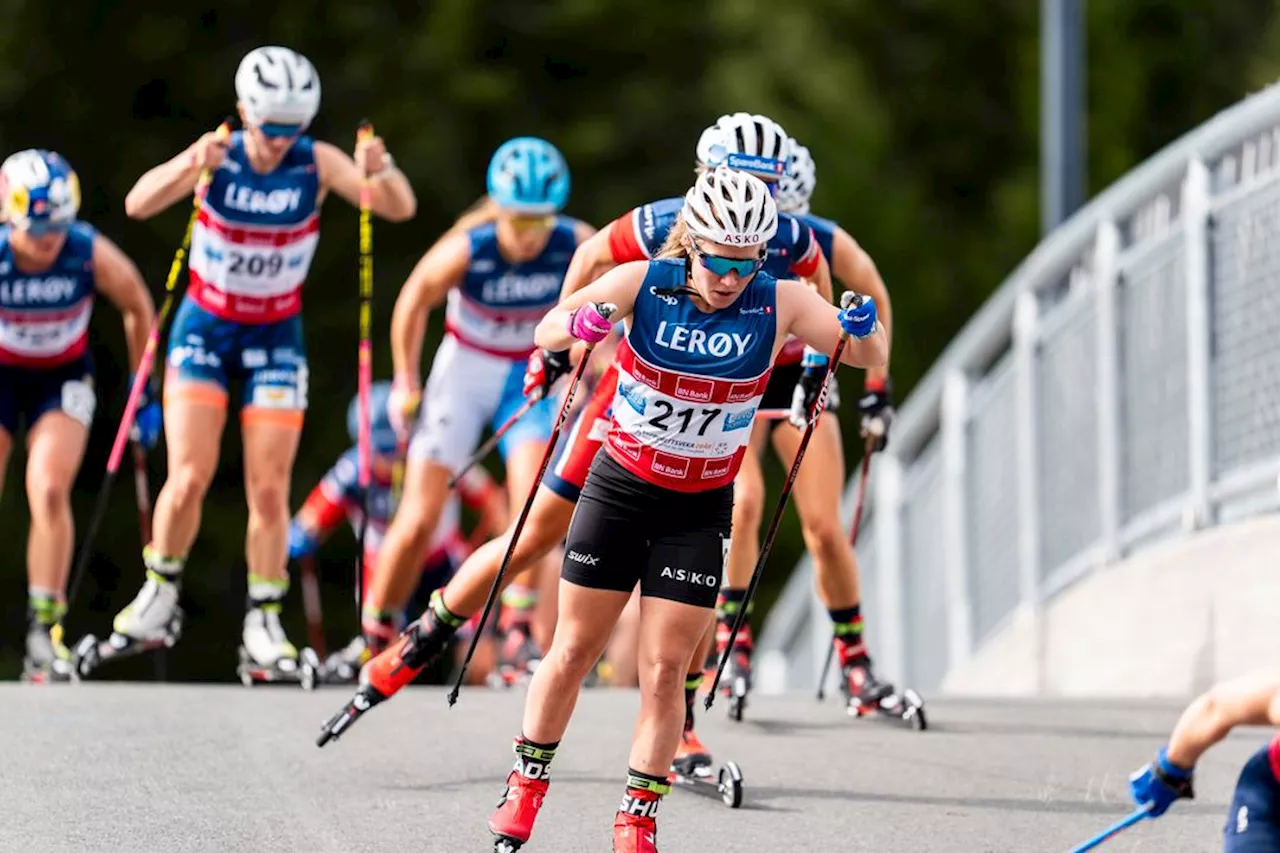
<point x="679" y="244"/>
<point x="482" y="212"/>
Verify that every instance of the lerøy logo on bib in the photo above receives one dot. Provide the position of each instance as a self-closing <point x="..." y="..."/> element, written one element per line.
<point x="698" y="342"/>
<point x="249" y="200"/>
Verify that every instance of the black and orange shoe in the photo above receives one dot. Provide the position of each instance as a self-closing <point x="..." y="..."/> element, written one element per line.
<point x="862" y="689"/>
<point x="396" y="666"/>
<point x="512" y="821"/>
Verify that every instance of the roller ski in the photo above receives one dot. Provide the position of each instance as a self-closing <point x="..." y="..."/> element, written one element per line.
<point x="388" y="672"/>
<point x="266" y="655"/>
<point x="152" y="621"/>
<point x="693" y="768"/>
<point x="865" y="694"/>
<point x="344" y="665"/>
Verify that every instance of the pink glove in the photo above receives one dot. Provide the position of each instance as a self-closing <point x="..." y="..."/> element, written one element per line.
<point x="590" y="322"/>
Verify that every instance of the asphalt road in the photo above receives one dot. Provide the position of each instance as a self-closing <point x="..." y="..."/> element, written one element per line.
<point x="117" y="767"/>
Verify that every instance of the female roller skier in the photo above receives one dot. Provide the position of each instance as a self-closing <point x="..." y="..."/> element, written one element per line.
<point x="338" y="496"/>
<point x="51" y="267"/>
<point x="499" y="268"/>
<point x="1253" y="819"/>
<point x="703" y="326"/>
<point x="821" y="478"/>
<point x="753" y="144"/>
<point x="253" y="243"/>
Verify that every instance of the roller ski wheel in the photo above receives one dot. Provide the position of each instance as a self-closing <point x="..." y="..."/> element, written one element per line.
<point x="304" y="671"/>
<point x="90" y="652"/>
<point x="727" y="783"/>
<point x="906" y="706"/>
<point x="506" y="844"/>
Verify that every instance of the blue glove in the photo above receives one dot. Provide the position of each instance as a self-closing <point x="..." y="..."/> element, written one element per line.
<point x="149" y="416"/>
<point x="302" y="542"/>
<point x="1157" y="785"/>
<point x="858" y="318"/>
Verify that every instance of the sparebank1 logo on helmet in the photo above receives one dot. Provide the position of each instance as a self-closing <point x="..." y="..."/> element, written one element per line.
<point x="764" y="167"/>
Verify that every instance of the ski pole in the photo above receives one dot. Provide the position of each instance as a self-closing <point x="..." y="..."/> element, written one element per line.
<point x="139" y="381"/>
<point x="853" y="539"/>
<point x="142" y="492"/>
<point x="606" y="311"/>
<point x="365" y="363"/>
<point x="846" y="300"/>
<point x="1115" y="829"/>
<point x="492" y="441"/>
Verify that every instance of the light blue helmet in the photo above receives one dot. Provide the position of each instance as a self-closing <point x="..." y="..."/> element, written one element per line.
<point x="529" y="175"/>
<point x="382" y="435"/>
<point x="39" y="191"/>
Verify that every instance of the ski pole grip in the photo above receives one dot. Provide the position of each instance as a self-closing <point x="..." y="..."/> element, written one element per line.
<point x="849" y="298"/>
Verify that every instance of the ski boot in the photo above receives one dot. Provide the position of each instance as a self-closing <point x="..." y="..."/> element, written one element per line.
<point x="513" y="818"/>
<point x="736" y="681"/>
<point x="344" y="665"/>
<point x="267" y="656"/>
<point x="865" y="693"/>
<point x="397" y="665"/>
<point x="45" y="662"/>
<point x="153" y="620"/>
<point x="518" y="657"/>
<point x="635" y="826"/>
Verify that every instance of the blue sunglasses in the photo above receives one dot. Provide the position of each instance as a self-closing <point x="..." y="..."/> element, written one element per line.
<point x="722" y="266"/>
<point x="276" y="130"/>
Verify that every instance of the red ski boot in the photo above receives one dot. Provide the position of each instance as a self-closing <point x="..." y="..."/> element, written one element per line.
<point x="512" y="822"/>
<point x="635" y="826"/>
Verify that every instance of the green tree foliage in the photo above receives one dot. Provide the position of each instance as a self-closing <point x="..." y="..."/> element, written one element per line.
<point x="921" y="114"/>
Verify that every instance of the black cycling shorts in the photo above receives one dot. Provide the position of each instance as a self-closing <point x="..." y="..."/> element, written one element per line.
<point x="782" y="386"/>
<point x="627" y="531"/>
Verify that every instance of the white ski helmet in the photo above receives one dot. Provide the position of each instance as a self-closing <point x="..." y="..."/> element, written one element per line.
<point x="797" y="183"/>
<point x="277" y="84"/>
<point x="754" y="143"/>
<point x="730" y="207"/>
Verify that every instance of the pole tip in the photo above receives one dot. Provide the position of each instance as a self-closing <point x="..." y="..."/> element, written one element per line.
<point x="706" y="703"/>
<point x="453" y="697"/>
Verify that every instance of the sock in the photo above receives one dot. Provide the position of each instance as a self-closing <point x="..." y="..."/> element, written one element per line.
<point x="163" y="567"/>
<point x="533" y="759"/>
<point x="267" y="593"/>
<point x="847" y="623"/>
<point x="729" y="602"/>
<point x="518" y="602"/>
<point x="439" y="616"/>
<point x="378" y="626"/>
<point x="43" y="607"/>
<point x="692" y="682"/>
<point x="643" y="794"/>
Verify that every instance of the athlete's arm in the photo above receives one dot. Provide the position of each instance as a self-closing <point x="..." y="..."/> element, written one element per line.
<point x="437" y="271"/>
<point x="175" y="179"/>
<point x="592" y="259"/>
<point x="618" y="286"/>
<point x="1251" y="700"/>
<point x="393" y="197"/>
<point x="820" y="278"/>
<point x="815" y="321"/>
<point x="857" y="272"/>
<point x="118" y="279"/>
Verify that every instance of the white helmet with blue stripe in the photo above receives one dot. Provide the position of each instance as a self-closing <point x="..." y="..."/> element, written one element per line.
<point x="277" y="85"/>
<point x="751" y="143"/>
<point x="797" y="183"/>
<point x="40" y="191"/>
<point x="528" y="175"/>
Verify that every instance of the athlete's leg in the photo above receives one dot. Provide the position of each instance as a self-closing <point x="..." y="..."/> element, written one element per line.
<point x="622" y="654"/>
<point x="817" y="493"/>
<point x="195" y="413"/>
<point x="59" y="421"/>
<point x="55" y="447"/>
<point x="744" y="552"/>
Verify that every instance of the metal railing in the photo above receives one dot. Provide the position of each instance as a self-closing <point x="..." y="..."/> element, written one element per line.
<point x="1122" y="387"/>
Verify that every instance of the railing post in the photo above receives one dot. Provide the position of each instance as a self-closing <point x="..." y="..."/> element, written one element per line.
<point x="955" y="508"/>
<point x="1106" y="281"/>
<point x="1195" y="223"/>
<point x="887" y="523"/>
<point x="1025" y="342"/>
